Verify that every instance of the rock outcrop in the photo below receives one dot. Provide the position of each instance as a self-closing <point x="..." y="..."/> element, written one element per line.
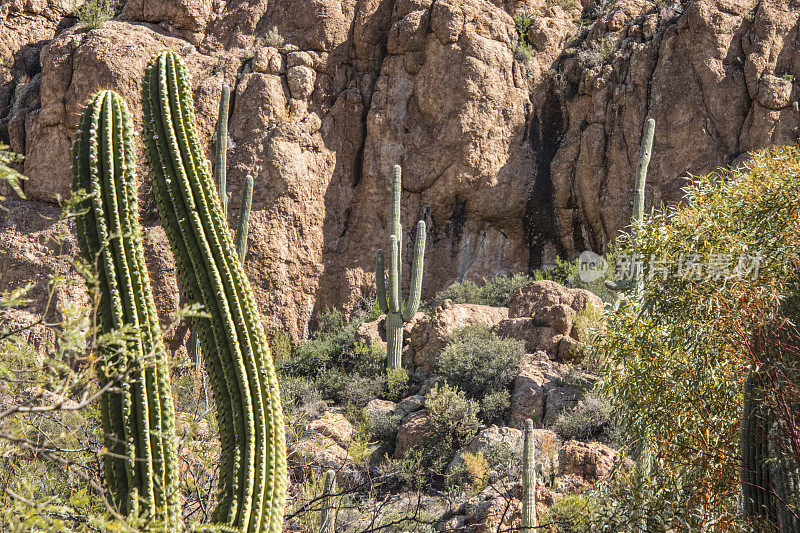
<point x="510" y="156"/>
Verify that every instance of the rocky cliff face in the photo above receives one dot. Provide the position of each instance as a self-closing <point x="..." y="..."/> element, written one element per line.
<point x="511" y="157"/>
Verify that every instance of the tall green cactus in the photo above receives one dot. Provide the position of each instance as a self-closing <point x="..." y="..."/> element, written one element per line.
<point x="327" y="520"/>
<point x="138" y="422"/>
<point x="770" y="482"/>
<point x="390" y="301"/>
<point x="252" y="486"/>
<point x="645" y="151"/>
<point x="529" y="521"/>
<point x="220" y="176"/>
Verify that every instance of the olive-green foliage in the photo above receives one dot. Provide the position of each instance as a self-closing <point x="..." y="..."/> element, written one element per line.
<point x="522" y="21"/>
<point x="95" y="13"/>
<point x="495" y="406"/>
<point x="569" y="514"/>
<point x="396" y="383"/>
<point x="454" y="421"/>
<point x="591" y="420"/>
<point x="331" y="345"/>
<point x="138" y="421"/>
<point x="8" y="174"/>
<point x="496" y="291"/>
<point x="676" y="354"/>
<point x="479" y="362"/>
<point x="383" y="426"/>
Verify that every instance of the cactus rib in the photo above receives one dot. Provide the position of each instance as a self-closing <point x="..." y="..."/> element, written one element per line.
<point x="234" y="347"/>
<point x="138" y="423"/>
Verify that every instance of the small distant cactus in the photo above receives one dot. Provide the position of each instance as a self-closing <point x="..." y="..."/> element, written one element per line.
<point x="389" y="300"/>
<point x="327" y="521"/>
<point x="220" y="176"/>
<point x="529" y="520"/>
<point x="645" y="151"/>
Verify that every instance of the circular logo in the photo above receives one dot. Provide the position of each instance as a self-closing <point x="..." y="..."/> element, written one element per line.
<point x="591" y="266"/>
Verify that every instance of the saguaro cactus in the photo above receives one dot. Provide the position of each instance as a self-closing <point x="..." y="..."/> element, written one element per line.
<point x="770" y="482"/>
<point x="220" y="176"/>
<point x="327" y="521"/>
<point x="138" y="422"/>
<point x="390" y="301"/>
<point x="252" y="486"/>
<point x="645" y="151"/>
<point x="529" y="520"/>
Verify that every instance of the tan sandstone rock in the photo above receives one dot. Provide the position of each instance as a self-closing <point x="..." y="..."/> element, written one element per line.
<point x="412" y="432"/>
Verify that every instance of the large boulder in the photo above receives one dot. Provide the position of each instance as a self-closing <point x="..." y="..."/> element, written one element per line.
<point x="590" y="460"/>
<point x="412" y="432"/>
<point x="430" y="335"/>
<point x="333" y="425"/>
<point x="543" y="389"/>
<point x="551" y="303"/>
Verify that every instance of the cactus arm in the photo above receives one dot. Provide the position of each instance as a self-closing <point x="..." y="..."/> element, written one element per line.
<point x="415" y="289"/>
<point x="395" y="227"/>
<point x="529" y="521"/>
<point x="244" y="219"/>
<point x="645" y="151"/>
<point x="380" y="282"/>
<point x="394" y="282"/>
<point x="221" y="160"/>
<point x="236" y="342"/>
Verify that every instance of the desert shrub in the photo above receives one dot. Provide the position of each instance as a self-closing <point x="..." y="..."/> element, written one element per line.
<point x="383" y="426"/>
<point x="369" y="359"/>
<point x="9" y="175"/>
<point x="453" y="419"/>
<point x="280" y="346"/>
<point x="496" y="291"/>
<point x="479" y="362"/>
<point x="495" y="406"/>
<point x="569" y="514"/>
<point x="677" y="354"/>
<point x="297" y="392"/>
<point x="522" y="21"/>
<point x="95" y="13"/>
<point x="357" y="390"/>
<point x="396" y="383"/>
<point x="591" y="419"/>
<point x="273" y="37"/>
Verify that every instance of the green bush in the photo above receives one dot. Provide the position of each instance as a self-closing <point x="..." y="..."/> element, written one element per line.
<point x="369" y="359"/>
<point x="497" y="291"/>
<point x="677" y="354"/>
<point x="479" y="362"/>
<point x="298" y="392"/>
<point x="396" y="383"/>
<point x="495" y="406"/>
<point x="95" y="13"/>
<point x="592" y="419"/>
<point x="454" y="422"/>
<point x="357" y="390"/>
<point x="383" y="427"/>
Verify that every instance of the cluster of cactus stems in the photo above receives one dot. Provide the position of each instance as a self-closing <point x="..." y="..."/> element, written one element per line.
<point x="770" y="484"/>
<point x="529" y="520"/>
<point x="138" y="421"/>
<point x="220" y="176"/>
<point x="252" y="485"/>
<point x="327" y="520"/>
<point x="645" y="151"/>
<point x="389" y="298"/>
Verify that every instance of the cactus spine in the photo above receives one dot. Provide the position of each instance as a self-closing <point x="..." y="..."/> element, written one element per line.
<point x="138" y="422"/>
<point x="390" y="301"/>
<point x="327" y="519"/>
<point x="529" y="521"/>
<point x="252" y="487"/>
